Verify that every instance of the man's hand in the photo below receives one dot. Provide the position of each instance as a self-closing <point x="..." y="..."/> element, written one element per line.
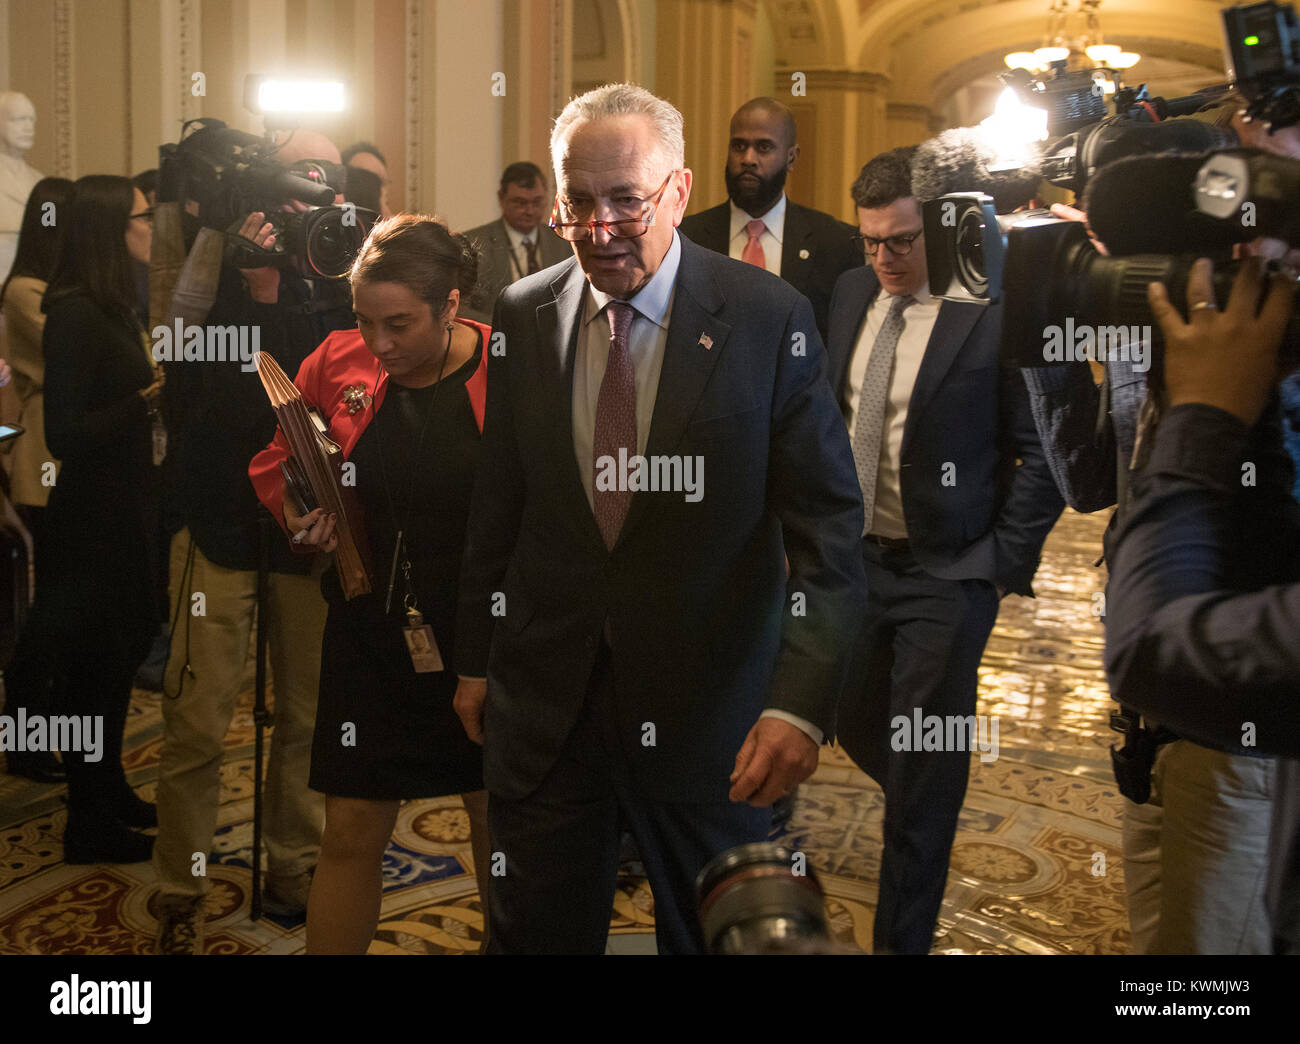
<point x="263" y="283"/>
<point x="471" y="695"/>
<point x="774" y="759"/>
<point x="1226" y="359"/>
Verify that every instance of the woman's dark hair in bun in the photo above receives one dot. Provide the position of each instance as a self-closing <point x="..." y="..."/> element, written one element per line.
<point x="418" y="252"/>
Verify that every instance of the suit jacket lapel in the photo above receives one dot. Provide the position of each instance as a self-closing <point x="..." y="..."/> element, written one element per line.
<point x="715" y="228"/>
<point x="796" y="236"/>
<point x="951" y="328"/>
<point x="559" y="324"/>
<point x="688" y="364"/>
<point x="842" y="337"/>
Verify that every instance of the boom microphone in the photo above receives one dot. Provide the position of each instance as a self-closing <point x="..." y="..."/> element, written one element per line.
<point x="1073" y="161"/>
<point x="963" y="160"/>
<point x="1147" y="205"/>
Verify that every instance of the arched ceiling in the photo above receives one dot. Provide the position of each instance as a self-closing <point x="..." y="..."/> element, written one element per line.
<point x="932" y="49"/>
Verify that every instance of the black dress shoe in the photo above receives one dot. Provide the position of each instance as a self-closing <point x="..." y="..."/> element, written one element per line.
<point x="107" y="844"/>
<point x="137" y="813"/>
<point x="40" y="766"/>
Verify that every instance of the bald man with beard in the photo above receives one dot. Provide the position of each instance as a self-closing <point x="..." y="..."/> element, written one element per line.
<point x="758" y="224"/>
<point x="218" y="418"/>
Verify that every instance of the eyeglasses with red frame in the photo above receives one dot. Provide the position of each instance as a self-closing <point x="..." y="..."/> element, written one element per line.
<point x="620" y="228"/>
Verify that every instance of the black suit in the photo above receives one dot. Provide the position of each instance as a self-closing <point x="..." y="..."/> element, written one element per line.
<point x="686" y="624"/>
<point x="815" y="249"/>
<point x="978" y="501"/>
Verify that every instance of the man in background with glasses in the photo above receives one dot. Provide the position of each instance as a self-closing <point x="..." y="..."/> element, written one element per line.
<point x="957" y="501"/>
<point x="633" y="654"/>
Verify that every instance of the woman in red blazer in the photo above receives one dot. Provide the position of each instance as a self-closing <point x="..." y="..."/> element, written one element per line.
<point x="403" y="396"/>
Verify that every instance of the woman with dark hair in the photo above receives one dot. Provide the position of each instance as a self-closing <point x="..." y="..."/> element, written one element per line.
<point x="97" y="597"/>
<point x="404" y="396"/>
<point x="34" y="467"/>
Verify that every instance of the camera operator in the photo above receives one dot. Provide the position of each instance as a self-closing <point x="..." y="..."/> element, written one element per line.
<point x="218" y="418"/>
<point x="1205" y="579"/>
<point x="1196" y="811"/>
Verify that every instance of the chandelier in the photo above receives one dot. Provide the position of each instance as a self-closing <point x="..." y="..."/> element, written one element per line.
<point x="1075" y="41"/>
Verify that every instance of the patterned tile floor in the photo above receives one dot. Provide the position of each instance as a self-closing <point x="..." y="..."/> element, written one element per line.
<point x="1035" y="867"/>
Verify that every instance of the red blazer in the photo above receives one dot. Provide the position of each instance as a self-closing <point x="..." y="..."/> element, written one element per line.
<point x="343" y="361"/>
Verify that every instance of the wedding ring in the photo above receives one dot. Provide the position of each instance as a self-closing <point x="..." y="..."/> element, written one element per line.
<point x="1204" y="304"/>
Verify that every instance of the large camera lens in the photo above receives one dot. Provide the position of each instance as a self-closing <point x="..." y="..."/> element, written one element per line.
<point x="331" y="239"/>
<point x="760" y="898"/>
<point x="968" y="253"/>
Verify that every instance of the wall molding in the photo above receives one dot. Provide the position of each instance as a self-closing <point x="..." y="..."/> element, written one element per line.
<point x="65" y="151"/>
<point x="412" y="105"/>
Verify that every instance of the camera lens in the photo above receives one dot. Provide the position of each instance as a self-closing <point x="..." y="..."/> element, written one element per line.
<point x="968" y="252"/>
<point x="329" y="244"/>
<point x="760" y="898"/>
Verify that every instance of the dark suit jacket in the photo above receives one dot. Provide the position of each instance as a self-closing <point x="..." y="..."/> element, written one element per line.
<point x="495" y="270"/>
<point x="825" y="241"/>
<point x="706" y="630"/>
<point x="968" y="410"/>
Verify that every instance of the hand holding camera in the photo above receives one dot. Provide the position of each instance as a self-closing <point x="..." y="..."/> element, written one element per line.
<point x="263" y="283"/>
<point x="1197" y="368"/>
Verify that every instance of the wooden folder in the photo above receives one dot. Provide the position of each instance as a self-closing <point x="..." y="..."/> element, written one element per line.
<point x="320" y="461"/>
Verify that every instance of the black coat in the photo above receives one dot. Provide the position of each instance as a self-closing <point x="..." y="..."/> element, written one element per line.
<point x="705" y="629"/>
<point x="101" y="561"/>
<point x="815" y="250"/>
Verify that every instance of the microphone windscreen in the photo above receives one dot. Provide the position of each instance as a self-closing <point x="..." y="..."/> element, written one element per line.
<point x="1147" y="205"/>
<point x="960" y="160"/>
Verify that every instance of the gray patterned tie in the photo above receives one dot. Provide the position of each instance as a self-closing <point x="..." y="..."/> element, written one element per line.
<point x="869" y="421"/>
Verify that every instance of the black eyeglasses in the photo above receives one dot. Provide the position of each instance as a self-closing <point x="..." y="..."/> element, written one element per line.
<point x="639" y="217"/>
<point x="898" y="245"/>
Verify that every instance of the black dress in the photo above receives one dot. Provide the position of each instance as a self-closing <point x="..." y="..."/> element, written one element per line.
<point x="96" y="592"/>
<point x="383" y="731"/>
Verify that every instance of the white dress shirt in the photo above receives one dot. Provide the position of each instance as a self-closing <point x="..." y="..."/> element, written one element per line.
<point x="518" y="252"/>
<point x="770" y="240"/>
<point x="918" y="321"/>
<point x="647" y="340"/>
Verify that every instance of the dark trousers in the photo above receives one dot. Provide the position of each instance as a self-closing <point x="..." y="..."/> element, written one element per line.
<point x="920" y="647"/>
<point x="561" y="846"/>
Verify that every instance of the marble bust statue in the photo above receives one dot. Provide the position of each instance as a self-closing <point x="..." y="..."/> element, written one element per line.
<point x="17" y="179"/>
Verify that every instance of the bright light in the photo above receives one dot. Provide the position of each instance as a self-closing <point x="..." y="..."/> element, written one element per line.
<point x="1012" y="129"/>
<point x="1021" y="60"/>
<point x="1103" y="52"/>
<point x="1125" y="60"/>
<point x="300" y="96"/>
<point x="1047" y="55"/>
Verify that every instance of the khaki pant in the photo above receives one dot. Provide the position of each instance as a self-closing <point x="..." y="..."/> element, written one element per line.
<point x="1196" y="854"/>
<point x="198" y="705"/>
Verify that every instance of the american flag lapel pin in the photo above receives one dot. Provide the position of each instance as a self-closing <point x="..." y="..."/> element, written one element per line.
<point x="707" y="341"/>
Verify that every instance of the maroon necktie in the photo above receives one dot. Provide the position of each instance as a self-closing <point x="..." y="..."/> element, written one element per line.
<point x="530" y="246"/>
<point x="615" y="423"/>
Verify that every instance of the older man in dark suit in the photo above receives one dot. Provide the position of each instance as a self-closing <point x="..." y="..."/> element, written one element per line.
<point x="758" y="224"/>
<point x="518" y="243"/>
<point x="660" y="435"/>
<point x="957" y="500"/>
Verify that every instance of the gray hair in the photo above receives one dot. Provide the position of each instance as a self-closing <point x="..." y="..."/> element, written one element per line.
<point x="622" y="99"/>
